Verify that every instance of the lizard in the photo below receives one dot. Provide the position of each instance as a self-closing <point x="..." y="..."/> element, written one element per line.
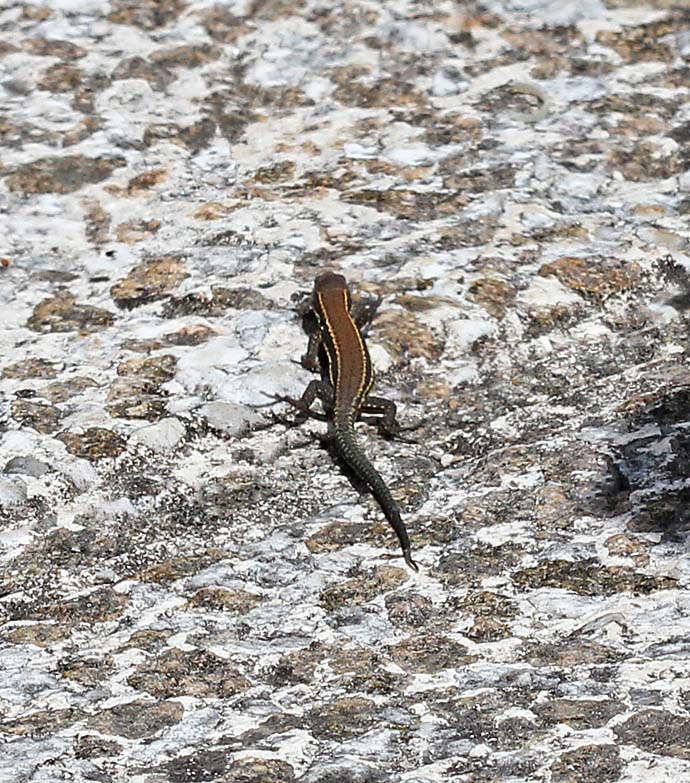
<point x="338" y="351"/>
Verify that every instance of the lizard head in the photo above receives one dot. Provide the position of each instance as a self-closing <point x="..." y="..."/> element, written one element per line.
<point x="331" y="286"/>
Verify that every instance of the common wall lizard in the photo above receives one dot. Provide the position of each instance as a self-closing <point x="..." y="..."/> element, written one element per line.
<point x="337" y="349"/>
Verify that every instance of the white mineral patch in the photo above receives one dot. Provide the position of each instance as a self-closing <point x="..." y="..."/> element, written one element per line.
<point x="412" y="155"/>
<point x="464" y="332"/>
<point x="554" y="12"/>
<point x="163" y="436"/>
<point x="207" y="365"/>
<point x="655" y="769"/>
<point x="251" y="388"/>
<point x="12" y="491"/>
<point x="232" y="419"/>
<point x="547" y="292"/>
<point x="80" y="472"/>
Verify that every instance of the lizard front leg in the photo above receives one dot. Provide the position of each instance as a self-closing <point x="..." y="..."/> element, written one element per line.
<point x="316" y="389"/>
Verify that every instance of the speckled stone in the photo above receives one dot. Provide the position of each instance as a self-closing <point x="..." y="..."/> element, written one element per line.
<point x="588" y="764"/>
<point x="152" y="280"/>
<point x="220" y="301"/>
<point x="97" y="606"/>
<point x="259" y="770"/>
<point x="90" y="672"/>
<point x="222" y="599"/>
<point x="409" y="610"/>
<point x="590" y="578"/>
<point x="337" y="535"/>
<point x="134" y="231"/>
<point x="39" y="416"/>
<point x="343" y="718"/>
<point x="493" y="294"/>
<point x="93" y="444"/>
<point x="403" y="334"/>
<point x="87" y="746"/>
<point x="13" y="492"/>
<point x="62" y="391"/>
<point x="195" y="334"/>
<point x="505" y="190"/>
<point x="657" y="731"/>
<point x="580" y="714"/>
<point x="205" y="765"/>
<point x="137" y="719"/>
<point x="38" y="634"/>
<point x="43" y="723"/>
<point x="233" y="420"/>
<point x="599" y="280"/>
<point x="31" y="368"/>
<point x="177" y="567"/>
<point x="137" y="393"/>
<point x="54" y="47"/>
<point x="157" y="369"/>
<point x="163" y="436"/>
<point x="148" y="15"/>
<point x="364" y="588"/>
<point x="492" y="613"/>
<point x="196" y="673"/>
<point x="28" y="466"/>
<point x="569" y="652"/>
<point x="61" y="313"/>
<point x="61" y="175"/>
<point x="430" y="653"/>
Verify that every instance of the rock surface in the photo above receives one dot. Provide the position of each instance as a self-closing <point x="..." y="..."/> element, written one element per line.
<point x="190" y="587"/>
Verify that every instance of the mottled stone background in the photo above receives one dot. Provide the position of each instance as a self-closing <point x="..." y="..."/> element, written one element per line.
<point x="191" y="590"/>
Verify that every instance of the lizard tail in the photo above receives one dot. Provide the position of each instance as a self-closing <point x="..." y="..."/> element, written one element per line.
<point x="355" y="459"/>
